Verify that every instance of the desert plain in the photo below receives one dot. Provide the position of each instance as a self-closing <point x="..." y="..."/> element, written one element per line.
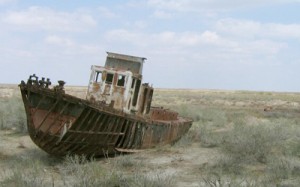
<point x="238" y="138"/>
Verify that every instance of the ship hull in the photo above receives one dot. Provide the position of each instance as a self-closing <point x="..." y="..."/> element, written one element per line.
<point x="61" y="124"/>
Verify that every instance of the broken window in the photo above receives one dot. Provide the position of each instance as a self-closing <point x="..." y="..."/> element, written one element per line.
<point x="132" y="84"/>
<point x="109" y="78"/>
<point x="149" y="101"/>
<point x="144" y="99"/>
<point x="121" y="80"/>
<point x="98" y="76"/>
<point x="136" y="92"/>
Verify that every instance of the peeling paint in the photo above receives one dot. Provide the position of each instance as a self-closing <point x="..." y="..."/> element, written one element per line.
<point x="116" y="115"/>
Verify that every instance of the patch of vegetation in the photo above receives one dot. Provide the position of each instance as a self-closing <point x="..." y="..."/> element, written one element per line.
<point x="216" y="180"/>
<point x="267" y="149"/>
<point x="26" y="172"/>
<point x="256" y="136"/>
<point x="79" y="171"/>
<point x="12" y="114"/>
<point x="91" y="173"/>
<point x="247" y="143"/>
<point x="127" y="162"/>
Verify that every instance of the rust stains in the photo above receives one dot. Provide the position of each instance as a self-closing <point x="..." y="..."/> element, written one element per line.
<point x="116" y="115"/>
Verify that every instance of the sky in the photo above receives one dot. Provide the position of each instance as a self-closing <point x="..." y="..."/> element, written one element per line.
<point x="192" y="44"/>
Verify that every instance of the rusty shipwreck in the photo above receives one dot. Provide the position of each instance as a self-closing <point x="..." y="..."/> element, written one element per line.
<point x="116" y="115"/>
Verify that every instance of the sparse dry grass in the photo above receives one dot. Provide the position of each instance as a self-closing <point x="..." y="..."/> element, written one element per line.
<point x="255" y="138"/>
<point x="12" y="113"/>
<point x="257" y="134"/>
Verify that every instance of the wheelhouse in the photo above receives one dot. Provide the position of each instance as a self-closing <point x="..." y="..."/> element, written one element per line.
<point x="119" y="84"/>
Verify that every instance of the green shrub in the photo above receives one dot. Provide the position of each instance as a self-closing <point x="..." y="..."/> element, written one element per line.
<point x="78" y="171"/>
<point x="25" y="171"/>
<point x="12" y="114"/>
<point x="281" y="169"/>
<point x="226" y="165"/>
<point x="193" y="135"/>
<point x="209" y="138"/>
<point x="127" y="161"/>
<point x="248" y="143"/>
<point x="153" y="180"/>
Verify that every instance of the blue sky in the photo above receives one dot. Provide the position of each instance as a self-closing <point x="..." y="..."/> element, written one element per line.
<point x="199" y="44"/>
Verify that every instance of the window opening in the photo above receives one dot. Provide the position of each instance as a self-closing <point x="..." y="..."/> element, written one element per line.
<point x="144" y="99"/>
<point x="149" y="101"/>
<point x="121" y="80"/>
<point x="109" y="78"/>
<point x="136" y="92"/>
<point x="98" y="77"/>
<point x="133" y="82"/>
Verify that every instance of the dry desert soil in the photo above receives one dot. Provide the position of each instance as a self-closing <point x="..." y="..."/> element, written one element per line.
<point x="238" y="138"/>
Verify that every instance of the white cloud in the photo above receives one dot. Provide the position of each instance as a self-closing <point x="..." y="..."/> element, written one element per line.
<point x="69" y="46"/>
<point x="167" y="38"/>
<point x="2" y="2"/>
<point x="123" y="35"/>
<point x="91" y="49"/>
<point x="210" y="5"/>
<point x="169" y="4"/>
<point x="251" y="29"/>
<point x="23" y="53"/>
<point x="283" y="30"/>
<point x="56" y="40"/>
<point x="210" y="37"/>
<point x="107" y="13"/>
<point x="48" y="19"/>
<point x="166" y="9"/>
<point x="140" y="24"/>
<point x="162" y="14"/>
<point x="207" y="46"/>
<point x="238" y="28"/>
<point x="191" y="38"/>
<point x="16" y="52"/>
<point x="265" y="47"/>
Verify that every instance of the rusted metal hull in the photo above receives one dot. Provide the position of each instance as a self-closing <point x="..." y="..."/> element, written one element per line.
<point x="62" y="124"/>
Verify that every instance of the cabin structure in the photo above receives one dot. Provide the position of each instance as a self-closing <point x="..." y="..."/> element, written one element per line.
<point x="119" y="84"/>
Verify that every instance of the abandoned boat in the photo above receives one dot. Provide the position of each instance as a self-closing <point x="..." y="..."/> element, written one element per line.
<point x="116" y="115"/>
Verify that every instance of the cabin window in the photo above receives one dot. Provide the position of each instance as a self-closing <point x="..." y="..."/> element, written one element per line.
<point x="121" y="80"/>
<point x="98" y="76"/>
<point x="109" y="78"/>
<point x="149" y="101"/>
<point x="144" y="99"/>
<point x="132" y="84"/>
<point x="136" y="92"/>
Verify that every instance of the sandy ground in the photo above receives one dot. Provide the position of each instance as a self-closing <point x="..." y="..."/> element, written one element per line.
<point x="184" y="164"/>
<point x="187" y="163"/>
